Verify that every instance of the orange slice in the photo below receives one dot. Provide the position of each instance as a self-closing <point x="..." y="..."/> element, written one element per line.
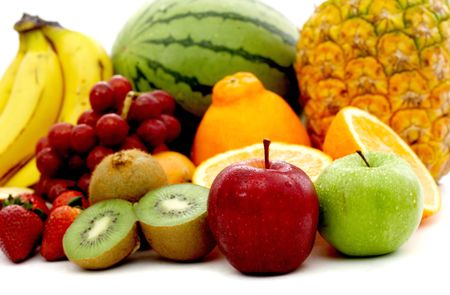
<point x="310" y="160"/>
<point x="353" y="129"/>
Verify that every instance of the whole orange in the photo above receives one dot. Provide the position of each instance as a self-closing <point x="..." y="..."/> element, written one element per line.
<point x="177" y="167"/>
<point x="242" y="113"/>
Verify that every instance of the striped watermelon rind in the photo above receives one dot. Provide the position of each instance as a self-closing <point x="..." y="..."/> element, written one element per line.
<point x="186" y="46"/>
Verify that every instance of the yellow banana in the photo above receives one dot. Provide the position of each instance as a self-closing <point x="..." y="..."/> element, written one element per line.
<point x="105" y="61"/>
<point x="84" y="62"/>
<point x="26" y="176"/>
<point x="9" y="76"/>
<point x="34" y="103"/>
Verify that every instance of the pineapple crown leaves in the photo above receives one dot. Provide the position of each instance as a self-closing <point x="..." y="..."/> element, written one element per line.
<point x="27" y="205"/>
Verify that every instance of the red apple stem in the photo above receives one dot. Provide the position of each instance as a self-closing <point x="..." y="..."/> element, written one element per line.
<point x="266" y="143"/>
<point x="364" y="158"/>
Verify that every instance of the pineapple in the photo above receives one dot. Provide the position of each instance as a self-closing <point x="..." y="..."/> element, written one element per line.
<point x="389" y="57"/>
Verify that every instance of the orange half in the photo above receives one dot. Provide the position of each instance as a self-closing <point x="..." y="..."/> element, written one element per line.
<point x="353" y="129"/>
<point x="310" y="160"/>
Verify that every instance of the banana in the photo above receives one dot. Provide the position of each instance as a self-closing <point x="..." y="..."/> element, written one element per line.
<point x="33" y="105"/>
<point x="9" y="76"/>
<point x="105" y="63"/>
<point x="26" y="176"/>
<point x="84" y="62"/>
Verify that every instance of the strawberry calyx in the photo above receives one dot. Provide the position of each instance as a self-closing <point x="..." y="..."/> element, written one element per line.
<point x="76" y="202"/>
<point x="16" y="201"/>
<point x="27" y="205"/>
<point x="40" y="213"/>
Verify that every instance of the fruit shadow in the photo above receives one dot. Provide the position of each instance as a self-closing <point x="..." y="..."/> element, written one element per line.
<point x="265" y="275"/>
<point x="102" y="271"/>
<point x="142" y="257"/>
<point x="437" y="217"/>
<point x="149" y="255"/>
<point x="430" y="221"/>
<point x="323" y="250"/>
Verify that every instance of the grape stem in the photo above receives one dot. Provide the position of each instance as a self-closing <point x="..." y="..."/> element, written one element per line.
<point x="132" y="95"/>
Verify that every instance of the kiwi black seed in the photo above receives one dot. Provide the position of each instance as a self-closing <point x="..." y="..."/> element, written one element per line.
<point x="102" y="235"/>
<point x="173" y="219"/>
<point x="127" y="175"/>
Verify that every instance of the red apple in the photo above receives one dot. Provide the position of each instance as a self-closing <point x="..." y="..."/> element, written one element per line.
<point x="264" y="215"/>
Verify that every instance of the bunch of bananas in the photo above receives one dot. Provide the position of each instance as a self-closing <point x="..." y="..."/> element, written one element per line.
<point x="48" y="81"/>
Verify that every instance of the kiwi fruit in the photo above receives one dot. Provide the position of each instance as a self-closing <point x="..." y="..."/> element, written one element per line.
<point x="127" y="175"/>
<point x="173" y="220"/>
<point x="102" y="235"/>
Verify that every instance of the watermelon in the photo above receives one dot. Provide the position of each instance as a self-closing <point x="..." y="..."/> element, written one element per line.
<point x="186" y="46"/>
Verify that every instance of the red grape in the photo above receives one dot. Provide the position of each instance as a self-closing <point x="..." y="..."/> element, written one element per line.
<point x="111" y="129"/>
<point x="120" y="86"/>
<point x="160" y="148"/>
<point x="173" y="127"/>
<point x="83" y="182"/>
<point x="133" y="142"/>
<point x="59" y="137"/>
<point x="48" y="162"/>
<point x="42" y="186"/>
<point x="89" y="117"/>
<point x="152" y="132"/>
<point x="101" y="97"/>
<point x="41" y="144"/>
<point x="76" y="164"/>
<point x="83" y="138"/>
<point x="145" y="106"/>
<point x="167" y="101"/>
<point x="57" y="187"/>
<point x="96" y="156"/>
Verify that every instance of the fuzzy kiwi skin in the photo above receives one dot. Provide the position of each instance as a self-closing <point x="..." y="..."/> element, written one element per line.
<point x="129" y="244"/>
<point x="184" y="242"/>
<point x="127" y="175"/>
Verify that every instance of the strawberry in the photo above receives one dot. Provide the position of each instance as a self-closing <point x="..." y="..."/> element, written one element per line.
<point x="20" y="229"/>
<point x="71" y="198"/>
<point x="55" y="187"/>
<point x="54" y="229"/>
<point x="37" y="201"/>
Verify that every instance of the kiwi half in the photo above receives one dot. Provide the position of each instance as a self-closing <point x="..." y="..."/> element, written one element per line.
<point x="127" y="175"/>
<point x="173" y="219"/>
<point x="102" y="235"/>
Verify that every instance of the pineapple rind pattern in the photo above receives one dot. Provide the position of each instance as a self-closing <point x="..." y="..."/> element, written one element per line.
<point x="389" y="57"/>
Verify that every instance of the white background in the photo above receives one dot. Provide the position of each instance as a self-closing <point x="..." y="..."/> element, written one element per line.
<point x="420" y="266"/>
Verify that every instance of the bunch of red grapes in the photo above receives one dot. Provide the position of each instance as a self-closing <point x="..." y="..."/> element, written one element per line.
<point x="68" y="154"/>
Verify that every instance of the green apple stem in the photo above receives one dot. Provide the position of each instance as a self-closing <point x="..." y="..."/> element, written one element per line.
<point x="364" y="158"/>
<point x="266" y="143"/>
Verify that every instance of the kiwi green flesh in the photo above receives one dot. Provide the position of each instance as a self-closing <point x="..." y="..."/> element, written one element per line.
<point x="172" y="205"/>
<point x="98" y="229"/>
<point x="123" y="249"/>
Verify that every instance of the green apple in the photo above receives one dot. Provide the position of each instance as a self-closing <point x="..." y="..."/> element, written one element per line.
<point x="370" y="204"/>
